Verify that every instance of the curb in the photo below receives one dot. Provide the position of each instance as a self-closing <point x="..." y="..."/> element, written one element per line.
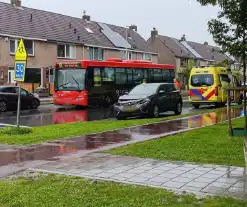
<point x="46" y="102"/>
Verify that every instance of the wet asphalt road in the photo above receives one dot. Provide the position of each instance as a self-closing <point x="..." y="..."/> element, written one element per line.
<point x="51" y="114"/>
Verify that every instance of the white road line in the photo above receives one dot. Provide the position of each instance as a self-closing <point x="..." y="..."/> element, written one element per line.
<point x="11" y="125"/>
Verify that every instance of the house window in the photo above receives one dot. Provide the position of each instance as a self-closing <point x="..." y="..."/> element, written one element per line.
<point x="183" y="62"/>
<point x="29" y="45"/>
<point x="66" y="51"/>
<point x="96" y="53"/>
<point x="147" y="57"/>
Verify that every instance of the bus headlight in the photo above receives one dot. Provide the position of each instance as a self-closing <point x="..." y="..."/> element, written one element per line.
<point x="80" y="98"/>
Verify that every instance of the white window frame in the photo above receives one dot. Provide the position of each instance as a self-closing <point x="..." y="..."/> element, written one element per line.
<point x="144" y="57"/>
<point x="65" y="49"/>
<point x="93" y="48"/>
<point x="16" y="46"/>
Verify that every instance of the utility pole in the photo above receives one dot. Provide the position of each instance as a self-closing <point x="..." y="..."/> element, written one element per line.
<point x="126" y="37"/>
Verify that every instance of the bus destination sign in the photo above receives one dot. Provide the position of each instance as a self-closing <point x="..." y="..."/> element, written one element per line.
<point x="69" y="65"/>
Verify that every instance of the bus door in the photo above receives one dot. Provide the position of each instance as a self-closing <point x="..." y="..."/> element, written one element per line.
<point x="94" y="86"/>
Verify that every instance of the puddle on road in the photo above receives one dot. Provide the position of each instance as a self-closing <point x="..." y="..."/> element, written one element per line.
<point x="45" y="117"/>
<point x="95" y="141"/>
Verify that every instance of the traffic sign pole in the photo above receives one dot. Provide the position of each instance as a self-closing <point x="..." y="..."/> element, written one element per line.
<point x="20" y="68"/>
<point x="18" y="108"/>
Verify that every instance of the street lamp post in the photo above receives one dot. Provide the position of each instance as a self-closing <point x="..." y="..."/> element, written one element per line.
<point x="126" y="37"/>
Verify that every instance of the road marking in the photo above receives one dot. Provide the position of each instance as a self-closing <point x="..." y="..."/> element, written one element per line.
<point x="11" y="125"/>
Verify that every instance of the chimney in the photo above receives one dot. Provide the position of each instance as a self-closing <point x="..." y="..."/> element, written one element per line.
<point x="154" y="33"/>
<point x="133" y="27"/>
<point x="85" y="16"/>
<point x="16" y="3"/>
<point x="183" y="38"/>
<point x="206" y="43"/>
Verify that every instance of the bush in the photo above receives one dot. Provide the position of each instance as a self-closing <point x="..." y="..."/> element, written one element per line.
<point x="16" y="131"/>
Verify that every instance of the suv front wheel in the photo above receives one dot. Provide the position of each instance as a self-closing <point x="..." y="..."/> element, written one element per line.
<point x="154" y="112"/>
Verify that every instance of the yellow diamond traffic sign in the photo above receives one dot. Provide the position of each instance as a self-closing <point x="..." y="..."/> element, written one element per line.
<point x="21" y="54"/>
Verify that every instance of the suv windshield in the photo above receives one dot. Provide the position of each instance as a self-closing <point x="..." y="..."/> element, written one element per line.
<point x="202" y="80"/>
<point x="70" y="80"/>
<point x="144" y="89"/>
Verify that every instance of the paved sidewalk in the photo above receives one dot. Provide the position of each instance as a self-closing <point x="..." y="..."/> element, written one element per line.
<point x="202" y="180"/>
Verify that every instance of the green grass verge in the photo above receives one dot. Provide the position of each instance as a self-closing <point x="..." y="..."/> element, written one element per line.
<point x="76" y="192"/>
<point x="53" y="132"/>
<point x="205" y="145"/>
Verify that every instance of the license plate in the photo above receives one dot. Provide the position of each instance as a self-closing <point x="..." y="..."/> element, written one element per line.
<point x="196" y="98"/>
<point x="129" y="108"/>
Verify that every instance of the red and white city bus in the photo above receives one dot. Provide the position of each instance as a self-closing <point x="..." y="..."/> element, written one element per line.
<point x="89" y="82"/>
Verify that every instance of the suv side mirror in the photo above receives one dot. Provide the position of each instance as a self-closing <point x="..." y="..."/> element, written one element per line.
<point x="162" y="92"/>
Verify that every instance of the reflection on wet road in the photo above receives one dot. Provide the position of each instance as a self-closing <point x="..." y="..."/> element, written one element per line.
<point x="95" y="141"/>
<point x="50" y="114"/>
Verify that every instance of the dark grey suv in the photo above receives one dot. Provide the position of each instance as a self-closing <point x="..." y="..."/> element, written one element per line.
<point x="9" y="99"/>
<point x="149" y="100"/>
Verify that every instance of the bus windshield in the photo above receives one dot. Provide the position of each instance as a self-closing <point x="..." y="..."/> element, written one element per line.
<point x="70" y="79"/>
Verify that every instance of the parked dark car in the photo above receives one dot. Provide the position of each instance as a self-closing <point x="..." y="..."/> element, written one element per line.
<point x="9" y="99"/>
<point x="149" y="100"/>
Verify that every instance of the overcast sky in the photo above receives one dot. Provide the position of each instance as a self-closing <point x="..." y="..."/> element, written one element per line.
<point x="170" y="17"/>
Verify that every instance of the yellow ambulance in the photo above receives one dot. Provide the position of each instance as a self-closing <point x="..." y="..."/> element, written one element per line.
<point x="206" y="86"/>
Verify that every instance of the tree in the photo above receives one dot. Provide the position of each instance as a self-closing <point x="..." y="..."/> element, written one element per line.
<point x="189" y="65"/>
<point x="225" y="63"/>
<point x="229" y="30"/>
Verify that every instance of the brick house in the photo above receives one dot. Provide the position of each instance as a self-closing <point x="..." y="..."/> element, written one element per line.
<point x="178" y="51"/>
<point x="50" y="36"/>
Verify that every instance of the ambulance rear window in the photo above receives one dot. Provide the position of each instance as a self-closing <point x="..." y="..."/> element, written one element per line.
<point x="202" y="80"/>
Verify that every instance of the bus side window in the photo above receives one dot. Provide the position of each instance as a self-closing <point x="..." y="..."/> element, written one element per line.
<point x="166" y="75"/>
<point x="172" y="75"/>
<point x="150" y="75"/>
<point x="145" y="74"/>
<point x="138" y="76"/>
<point x="157" y="75"/>
<point x="97" y="77"/>
<point x="130" y="75"/>
<point x="121" y="76"/>
<point x="108" y="76"/>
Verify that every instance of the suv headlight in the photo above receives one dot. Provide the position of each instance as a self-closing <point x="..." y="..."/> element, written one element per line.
<point x="144" y="101"/>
